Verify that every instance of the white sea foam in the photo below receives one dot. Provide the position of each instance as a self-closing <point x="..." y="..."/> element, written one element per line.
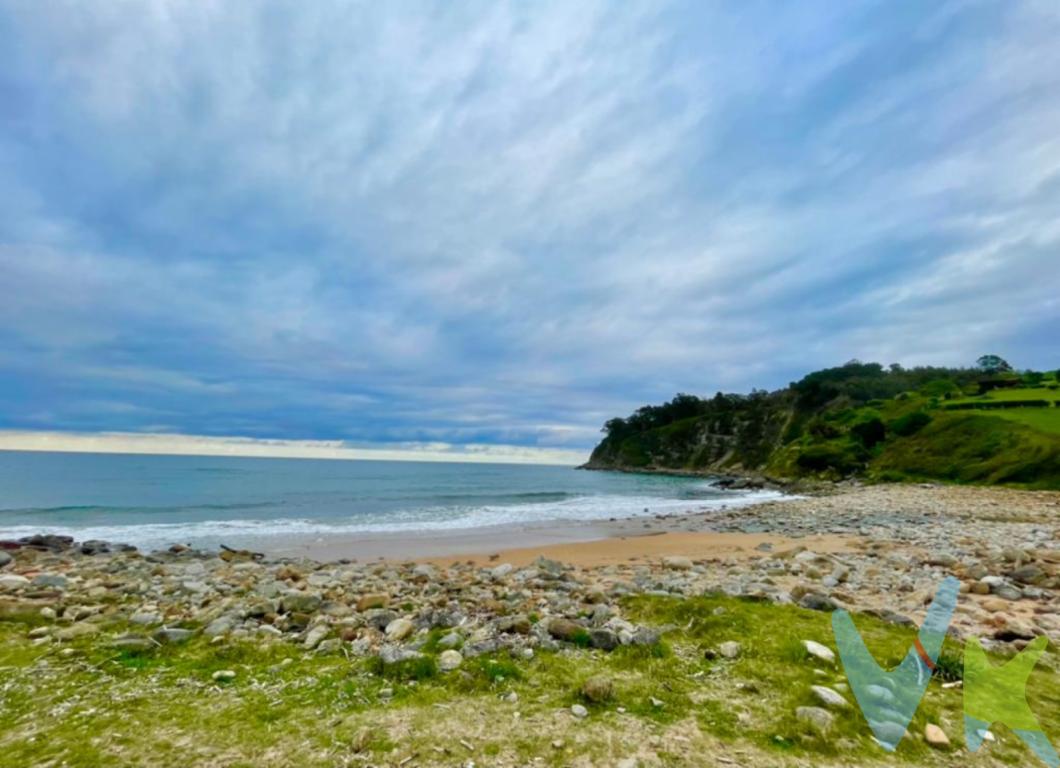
<point x="423" y="519"/>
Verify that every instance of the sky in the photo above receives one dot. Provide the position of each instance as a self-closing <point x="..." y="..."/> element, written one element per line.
<point x="486" y="228"/>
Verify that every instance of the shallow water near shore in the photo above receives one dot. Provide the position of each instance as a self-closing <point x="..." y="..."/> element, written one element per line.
<point x="154" y="501"/>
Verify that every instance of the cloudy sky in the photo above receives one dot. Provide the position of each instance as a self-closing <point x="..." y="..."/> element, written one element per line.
<point x="501" y="224"/>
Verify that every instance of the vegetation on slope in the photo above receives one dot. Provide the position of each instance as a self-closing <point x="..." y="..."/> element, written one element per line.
<point x="976" y="425"/>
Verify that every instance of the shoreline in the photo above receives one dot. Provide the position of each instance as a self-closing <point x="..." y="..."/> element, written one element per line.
<point x="329" y="545"/>
<point x="628" y="639"/>
<point x="878" y="548"/>
<point x="472" y="543"/>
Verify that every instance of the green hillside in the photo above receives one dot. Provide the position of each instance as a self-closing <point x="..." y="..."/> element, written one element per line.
<point x="965" y="425"/>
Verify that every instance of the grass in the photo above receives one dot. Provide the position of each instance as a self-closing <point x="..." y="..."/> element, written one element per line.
<point x="1042" y="419"/>
<point x="97" y="707"/>
<point x="968" y="447"/>
<point x="1012" y="396"/>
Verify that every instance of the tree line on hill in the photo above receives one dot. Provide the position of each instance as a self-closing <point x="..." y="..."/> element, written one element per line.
<point x="831" y="422"/>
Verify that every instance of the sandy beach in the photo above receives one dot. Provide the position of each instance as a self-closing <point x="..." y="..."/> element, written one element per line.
<point x="832" y="521"/>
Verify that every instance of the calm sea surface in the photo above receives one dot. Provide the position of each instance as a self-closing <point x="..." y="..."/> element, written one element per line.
<point x="154" y="501"/>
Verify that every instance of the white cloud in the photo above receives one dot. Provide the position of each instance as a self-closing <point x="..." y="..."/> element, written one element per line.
<point x="194" y="445"/>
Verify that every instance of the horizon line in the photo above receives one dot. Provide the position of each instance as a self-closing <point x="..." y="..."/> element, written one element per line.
<point x="175" y="444"/>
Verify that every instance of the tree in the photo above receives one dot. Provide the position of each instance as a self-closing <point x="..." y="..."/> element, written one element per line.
<point x="993" y="364"/>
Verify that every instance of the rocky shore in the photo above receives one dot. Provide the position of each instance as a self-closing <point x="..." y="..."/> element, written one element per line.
<point x="899" y="542"/>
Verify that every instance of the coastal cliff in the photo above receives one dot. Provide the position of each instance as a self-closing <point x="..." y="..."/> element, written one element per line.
<point x="857" y="420"/>
<point x="730" y="434"/>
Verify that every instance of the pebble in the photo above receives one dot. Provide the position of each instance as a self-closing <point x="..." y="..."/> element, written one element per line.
<point x="564" y="629"/>
<point x="449" y="660"/>
<point x="137" y="644"/>
<point x="815" y="602"/>
<point x="935" y="736"/>
<point x="399" y="629"/>
<point x="368" y="602"/>
<point x="300" y="602"/>
<point x="219" y="626"/>
<point x="315" y="635"/>
<point x="12" y="581"/>
<point x="818" y="651"/>
<point x="501" y="571"/>
<point x="52" y="580"/>
<point x="579" y="711"/>
<point x="730" y="649"/>
<point x="76" y="631"/>
<point x="146" y="618"/>
<point x="451" y="640"/>
<point x="173" y="635"/>
<point x="821" y="720"/>
<point x="829" y="697"/>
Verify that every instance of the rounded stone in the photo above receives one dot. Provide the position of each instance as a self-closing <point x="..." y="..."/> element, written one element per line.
<point x="450" y="660"/>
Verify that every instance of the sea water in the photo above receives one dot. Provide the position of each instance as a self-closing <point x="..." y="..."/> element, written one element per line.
<point x="155" y="501"/>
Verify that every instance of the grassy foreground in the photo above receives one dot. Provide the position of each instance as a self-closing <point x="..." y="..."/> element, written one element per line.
<point x="83" y="703"/>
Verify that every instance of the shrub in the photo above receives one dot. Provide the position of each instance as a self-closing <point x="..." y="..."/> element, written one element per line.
<point x="949" y="667"/>
<point x="582" y="639"/>
<point x="497" y="671"/>
<point x="822" y="430"/>
<point x="869" y="433"/>
<point x="910" y="424"/>
<point x="830" y="457"/>
<point x="940" y="388"/>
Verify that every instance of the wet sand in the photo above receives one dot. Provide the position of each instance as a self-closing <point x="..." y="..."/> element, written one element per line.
<point x="578" y="543"/>
<point x="699" y="546"/>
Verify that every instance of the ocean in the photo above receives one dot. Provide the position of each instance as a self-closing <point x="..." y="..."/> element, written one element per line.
<point x="155" y="501"/>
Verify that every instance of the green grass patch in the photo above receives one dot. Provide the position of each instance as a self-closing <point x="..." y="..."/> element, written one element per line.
<point x="972" y="448"/>
<point x="1041" y="419"/>
<point x="287" y="707"/>
<point x="1011" y="396"/>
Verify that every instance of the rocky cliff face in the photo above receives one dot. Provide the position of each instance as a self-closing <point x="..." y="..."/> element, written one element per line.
<point x="732" y="434"/>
